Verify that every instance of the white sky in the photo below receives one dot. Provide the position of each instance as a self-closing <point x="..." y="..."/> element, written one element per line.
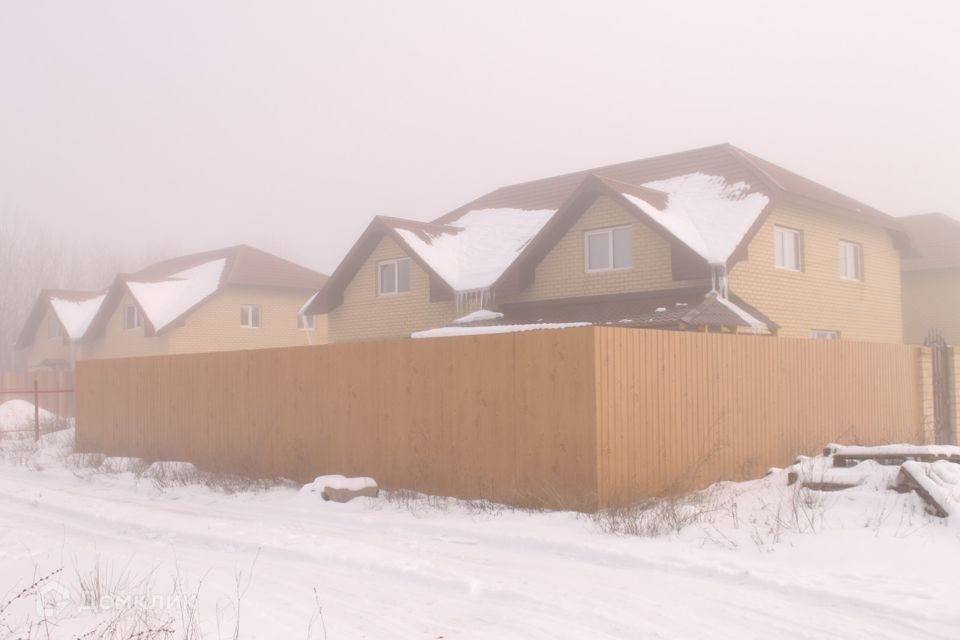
<point x="288" y="124"/>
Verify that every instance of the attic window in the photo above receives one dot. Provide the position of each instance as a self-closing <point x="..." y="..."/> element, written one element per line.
<point x="608" y="249"/>
<point x="250" y="316"/>
<point x="54" y="329"/>
<point x="393" y="276"/>
<point x="132" y="318"/>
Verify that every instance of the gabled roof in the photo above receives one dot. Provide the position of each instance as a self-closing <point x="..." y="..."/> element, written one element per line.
<point x="74" y="310"/>
<point x="167" y="291"/>
<point x="707" y="201"/>
<point x="936" y="238"/>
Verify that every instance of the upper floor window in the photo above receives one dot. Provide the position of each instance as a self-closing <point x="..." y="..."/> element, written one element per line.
<point x="306" y="323"/>
<point x="787" y="248"/>
<point x="608" y="249"/>
<point x="393" y="276"/>
<point x="250" y="316"/>
<point x="54" y="328"/>
<point x="851" y="260"/>
<point x="132" y="319"/>
<point x="824" y="334"/>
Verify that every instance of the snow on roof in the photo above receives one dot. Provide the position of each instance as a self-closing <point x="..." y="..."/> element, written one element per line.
<point x="166" y="300"/>
<point x="481" y="315"/>
<point x="751" y="320"/>
<point x="488" y="242"/>
<point x="447" y="332"/>
<point x="705" y="212"/>
<point x="76" y="315"/>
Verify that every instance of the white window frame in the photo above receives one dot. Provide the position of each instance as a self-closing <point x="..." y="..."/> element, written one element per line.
<point x="779" y="259"/>
<point x="249" y="310"/>
<point x="857" y="250"/>
<point x="396" y="277"/>
<point x="137" y="317"/>
<point x="306" y="322"/>
<point x="608" y="232"/>
<point x="54" y="328"/>
<point x="824" y="334"/>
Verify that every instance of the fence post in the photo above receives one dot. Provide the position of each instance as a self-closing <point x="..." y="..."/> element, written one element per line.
<point x="36" y="409"/>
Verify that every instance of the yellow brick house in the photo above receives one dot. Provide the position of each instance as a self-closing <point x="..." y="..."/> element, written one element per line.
<point x="227" y="299"/>
<point x="713" y="239"/>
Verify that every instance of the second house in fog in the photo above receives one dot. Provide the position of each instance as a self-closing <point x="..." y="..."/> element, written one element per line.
<point x="931" y="278"/>
<point x="712" y="239"/>
<point x="228" y="299"/>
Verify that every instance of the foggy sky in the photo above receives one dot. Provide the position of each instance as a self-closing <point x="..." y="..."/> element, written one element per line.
<point x="288" y="124"/>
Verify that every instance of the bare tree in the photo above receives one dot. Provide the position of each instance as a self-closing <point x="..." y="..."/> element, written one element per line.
<point x="34" y="258"/>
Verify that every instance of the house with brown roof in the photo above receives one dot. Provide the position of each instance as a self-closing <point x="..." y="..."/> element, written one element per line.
<point x="931" y="278"/>
<point x="223" y="300"/>
<point x="713" y="239"/>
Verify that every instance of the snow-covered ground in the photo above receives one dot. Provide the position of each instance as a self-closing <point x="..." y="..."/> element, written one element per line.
<point x="750" y="560"/>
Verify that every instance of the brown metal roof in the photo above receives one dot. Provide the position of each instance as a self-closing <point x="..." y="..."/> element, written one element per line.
<point x="936" y="239"/>
<point x="725" y="160"/>
<point x="571" y="193"/>
<point x="245" y="266"/>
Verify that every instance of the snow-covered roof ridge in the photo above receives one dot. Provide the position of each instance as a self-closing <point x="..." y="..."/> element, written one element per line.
<point x="474" y="250"/>
<point x="76" y="313"/>
<point x="705" y="212"/>
<point x="163" y="301"/>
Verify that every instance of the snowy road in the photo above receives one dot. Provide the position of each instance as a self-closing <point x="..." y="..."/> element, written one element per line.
<point x="382" y="572"/>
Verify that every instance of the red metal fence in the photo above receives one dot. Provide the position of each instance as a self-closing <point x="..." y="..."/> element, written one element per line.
<point x="50" y="392"/>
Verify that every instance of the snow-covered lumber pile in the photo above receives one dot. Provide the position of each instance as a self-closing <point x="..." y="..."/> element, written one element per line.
<point x="932" y="471"/>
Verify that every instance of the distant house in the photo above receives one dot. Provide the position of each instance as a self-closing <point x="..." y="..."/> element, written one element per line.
<point x="713" y="239"/>
<point x="931" y="279"/>
<point x="234" y="298"/>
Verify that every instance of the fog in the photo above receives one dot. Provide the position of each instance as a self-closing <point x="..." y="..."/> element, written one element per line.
<point x="287" y="125"/>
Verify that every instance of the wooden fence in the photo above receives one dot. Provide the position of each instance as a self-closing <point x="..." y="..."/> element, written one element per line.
<point x="57" y="387"/>
<point x="579" y="418"/>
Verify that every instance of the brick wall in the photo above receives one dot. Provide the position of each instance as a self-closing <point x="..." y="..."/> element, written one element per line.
<point x="561" y="274"/>
<point x="816" y="297"/>
<point x="215" y="326"/>
<point x="119" y="342"/>
<point x="364" y="315"/>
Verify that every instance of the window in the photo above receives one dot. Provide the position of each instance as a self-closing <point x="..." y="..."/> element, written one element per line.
<point x="306" y="323"/>
<point x="393" y="276"/>
<point x="821" y="334"/>
<point x="787" y="248"/>
<point x="851" y="260"/>
<point x="54" y="329"/>
<point x="250" y="316"/>
<point x="131" y="317"/>
<point x="608" y="249"/>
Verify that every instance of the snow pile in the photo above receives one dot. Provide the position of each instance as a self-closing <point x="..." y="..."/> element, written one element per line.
<point x="76" y="315"/>
<point x="941" y="480"/>
<point x="339" y="482"/>
<point x="705" y="212"/>
<point x="18" y="415"/>
<point x="480" y="246"/>
<point x="122" y="464"/>
<point x="449" y="332"/>
<point x="481" y="315"/>
<point x="166" y="300"/>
